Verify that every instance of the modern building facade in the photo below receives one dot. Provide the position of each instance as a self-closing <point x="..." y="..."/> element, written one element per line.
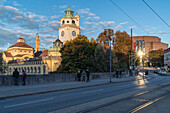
<point x="167" y="58"/>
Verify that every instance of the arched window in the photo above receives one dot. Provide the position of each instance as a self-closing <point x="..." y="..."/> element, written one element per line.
<point x="63" y="21"/>
<point x="10" y="70"/>
<point x="44" y="69"/>
<point x="73" y="21"/>
<point x="35" y="70"/>
<point x="19" y="70"/>
<point x="25" y="69"/>
<point x="31" y="69"/>
<point x="28" y="69"/>
<point x="39" y="70"/>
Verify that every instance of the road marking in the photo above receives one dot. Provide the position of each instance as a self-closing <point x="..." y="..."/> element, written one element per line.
<point x="94" y="91"/>
<point x="28" y="103"/>
<point x="146" y="104"/>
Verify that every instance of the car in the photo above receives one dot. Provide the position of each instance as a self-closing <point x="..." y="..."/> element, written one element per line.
<point x="155" y="71"/>
<point x="163" y="72"/>
<point x="159" y="72"/>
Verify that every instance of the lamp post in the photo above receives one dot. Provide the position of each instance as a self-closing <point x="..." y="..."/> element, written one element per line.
<point x="140" y="53"/>
<point x="110" y="41"/>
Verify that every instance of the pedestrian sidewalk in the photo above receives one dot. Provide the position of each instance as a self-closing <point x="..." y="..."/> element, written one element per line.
<point x="15" y="91"/>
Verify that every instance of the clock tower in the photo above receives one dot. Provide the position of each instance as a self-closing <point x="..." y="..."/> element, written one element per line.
<point x="69" y="28"/>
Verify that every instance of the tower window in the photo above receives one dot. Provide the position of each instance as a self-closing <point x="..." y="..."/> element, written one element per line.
<point x="73" y="21"/>
<point x="63" y="21"/>
<point x="67" y="21"/>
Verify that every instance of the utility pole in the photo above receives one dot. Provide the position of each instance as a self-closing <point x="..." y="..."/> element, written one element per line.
<point x="131" y="54"/>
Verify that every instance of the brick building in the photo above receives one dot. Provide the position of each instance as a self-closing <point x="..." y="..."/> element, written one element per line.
<point x="148" y="43"/>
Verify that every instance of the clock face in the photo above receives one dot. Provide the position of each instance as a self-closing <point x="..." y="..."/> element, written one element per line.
<point x="74" y="33"/>
<point x="62" y="33"/>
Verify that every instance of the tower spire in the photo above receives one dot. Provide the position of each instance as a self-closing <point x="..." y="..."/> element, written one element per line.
<point x="37" y="42"/>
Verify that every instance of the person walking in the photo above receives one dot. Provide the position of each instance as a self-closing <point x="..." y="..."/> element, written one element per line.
<point x="88" y="75"/>
<point x="15" y="76"/>
<point x="120" y="73"/>
<point x="79" y="75"/>
<point x="117" y="73"/>
<point x="83" y="75"/>
<point x="23" y="77"/>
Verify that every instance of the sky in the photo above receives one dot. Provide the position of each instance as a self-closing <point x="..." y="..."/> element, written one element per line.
<point x="29" y="17"/>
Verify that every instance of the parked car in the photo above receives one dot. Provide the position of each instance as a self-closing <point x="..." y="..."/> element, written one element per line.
<point x="156" y="71"/>
<point x="163" y="72"/>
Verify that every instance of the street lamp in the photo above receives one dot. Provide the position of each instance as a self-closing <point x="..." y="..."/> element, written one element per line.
<point x="110" y="41"/>
<point x="140" y="54"/>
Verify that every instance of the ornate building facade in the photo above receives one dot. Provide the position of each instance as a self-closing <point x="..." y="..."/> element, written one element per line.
<point x="69" y="28"/>
<point x="21" y="56"/>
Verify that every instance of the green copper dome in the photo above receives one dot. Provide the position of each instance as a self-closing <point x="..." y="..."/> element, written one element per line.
<point x="69" y="13"/>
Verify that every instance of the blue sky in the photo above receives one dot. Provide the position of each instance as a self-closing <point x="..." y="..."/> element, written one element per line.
<point x="27" y="17"/>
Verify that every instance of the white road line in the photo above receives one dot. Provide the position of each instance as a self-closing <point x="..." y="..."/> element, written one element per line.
<point x="146" y="104"/>
<point x="93" y="91"/>
<point x="28" y="103"/>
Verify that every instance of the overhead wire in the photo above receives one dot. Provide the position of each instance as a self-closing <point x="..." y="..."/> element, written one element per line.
<point x="156" y="13"/>
<point x="129" y="16"/>
<point x="135" y="21"/>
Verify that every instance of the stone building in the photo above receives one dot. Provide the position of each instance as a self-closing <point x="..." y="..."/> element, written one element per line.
<point x="19" y="50"/>
<point x="23" y="57"/>
<point x="69" y="28"/>
<point x="148" y="43"/>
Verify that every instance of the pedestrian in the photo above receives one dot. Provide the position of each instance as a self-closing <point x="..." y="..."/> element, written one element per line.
<point x="88" y="75"/>
<point x="83" y="75"/>
<point x="117" y="73"/>
<point x="146" y="73"/>
<point x="79" y="75"/>
<point x="120" y="73"/>
<point x="23" y="77"/>
<point x="15" y="76"/>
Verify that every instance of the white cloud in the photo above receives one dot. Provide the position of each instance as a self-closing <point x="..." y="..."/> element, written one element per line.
<point x="123" y="23"/>
<point x="97" y="18"/>
<point x="12" y="15"/>
<point x="88" y="23"/>
<point x="54" y="25"/>
<point x="82" y="29"/>
<point x="91" y="32"/>
<point x="55" y="16"/>
<point x="16" y="4"/>
<point x="62" y="6"/>
<point x="91" y="14"/>
<point x="118" y="27"/>
<point x="132" y="27"/>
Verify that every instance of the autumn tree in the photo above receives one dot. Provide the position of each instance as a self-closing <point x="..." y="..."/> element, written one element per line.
<point x="156" y="57"/>
<point x="121" y="49"/>
<point x="77" y="53"/>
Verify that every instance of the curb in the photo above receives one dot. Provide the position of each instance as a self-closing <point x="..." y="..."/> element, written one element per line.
<point x="43" y="92"/>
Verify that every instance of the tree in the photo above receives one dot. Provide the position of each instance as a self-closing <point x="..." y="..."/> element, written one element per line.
<point x="3" y="66"/>
<point x="76" y="54"/>
<point x="121" y="49"/>
<point x="100" y="60"/>
<point x="103" y="37"/>
<point x="156" y="57"/>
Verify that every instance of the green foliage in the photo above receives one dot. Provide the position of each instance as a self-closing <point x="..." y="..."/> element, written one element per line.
<point x="156" y="57"/>
<point x="121" y="49"/>
<point x="76" y="54"/>
<point x="3" y="66"/>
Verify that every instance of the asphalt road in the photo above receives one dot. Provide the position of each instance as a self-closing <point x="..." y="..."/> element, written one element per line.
<point x="43" y="103"/>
